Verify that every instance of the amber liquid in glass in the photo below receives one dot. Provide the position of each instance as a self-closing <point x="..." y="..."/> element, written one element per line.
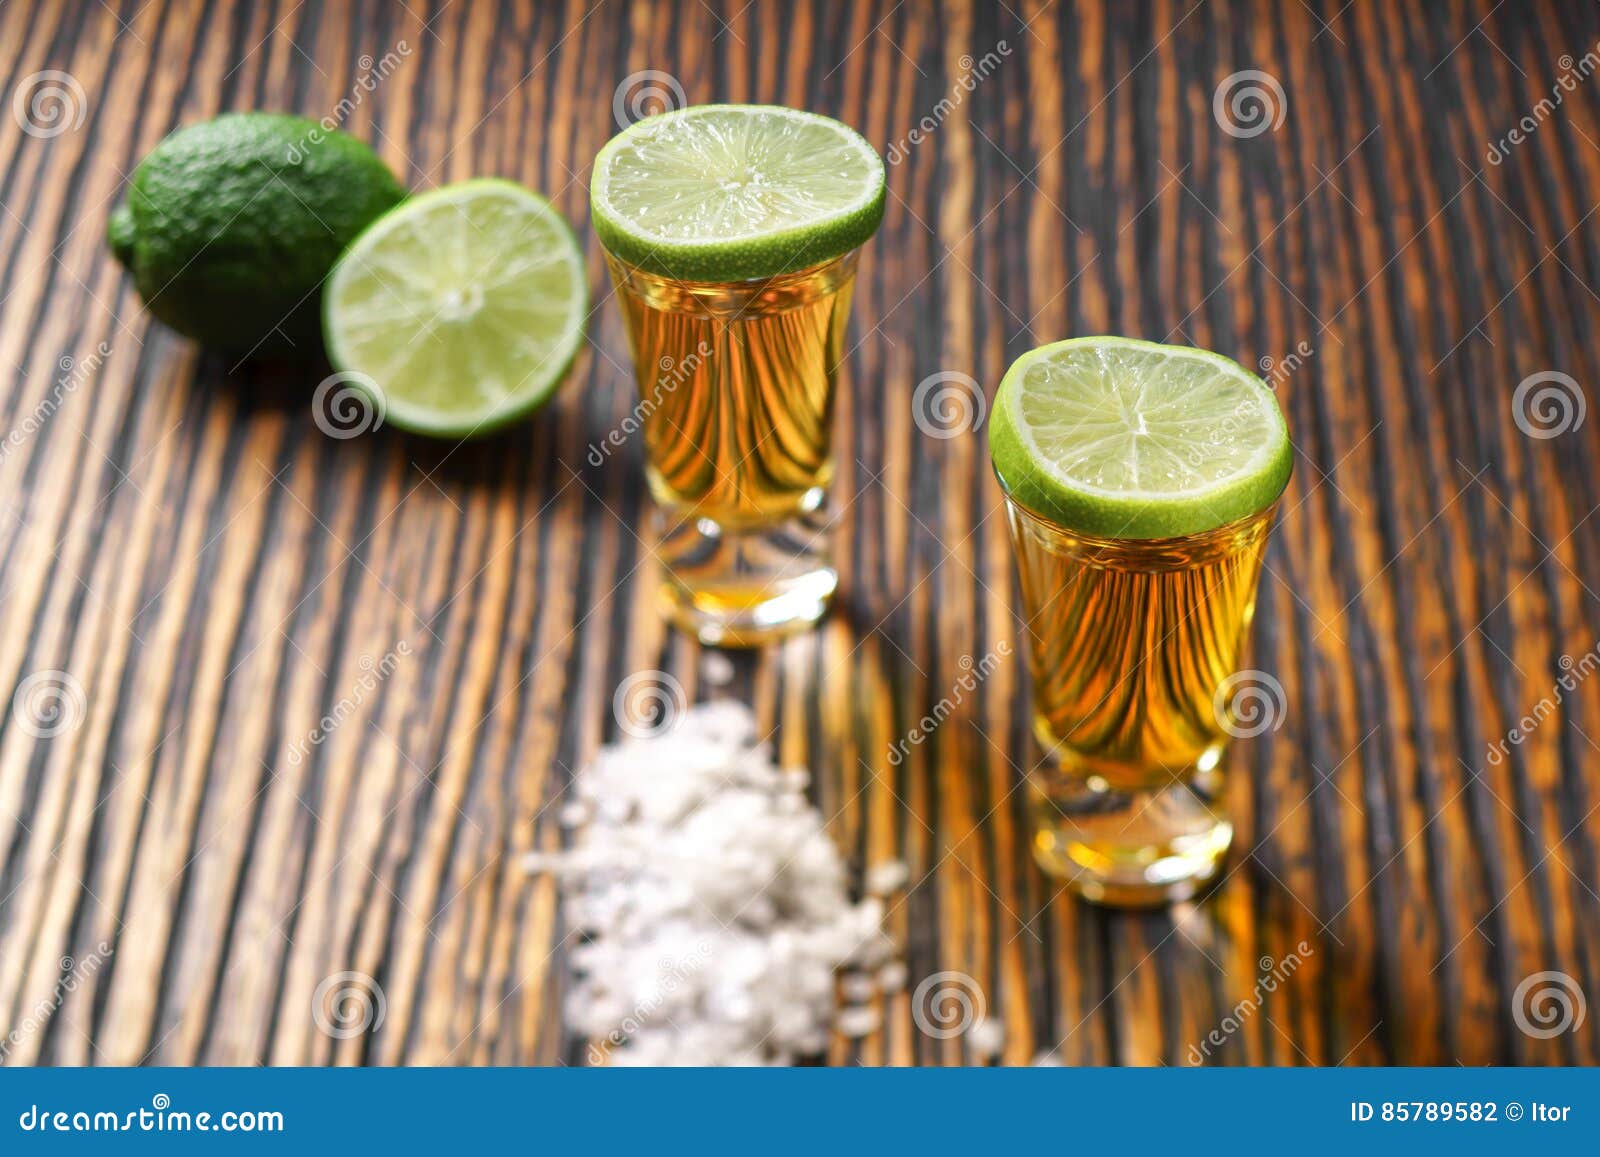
<point x="736" y="392"/>
<point x="1129" y="643"/>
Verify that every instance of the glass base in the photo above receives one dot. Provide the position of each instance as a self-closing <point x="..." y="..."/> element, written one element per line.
<point x="748" y="586"/>
<point x="1135" y="848"/>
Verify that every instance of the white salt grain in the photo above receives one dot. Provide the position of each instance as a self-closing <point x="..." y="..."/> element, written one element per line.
<point x="887" y="878"/>
<point x="892" y="976"/>
<point x="857" y="987"/>
<point x="875" y="949"/>
<point x="715" y="904"/>
<point x="858" y="1021"/>
<point x="537" y="863"/>
<point x="716" y="668"/>
<point x="987" y="1037"/>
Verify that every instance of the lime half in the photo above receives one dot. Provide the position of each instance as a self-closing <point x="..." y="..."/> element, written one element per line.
<point x="1129" y="439"/>
<point x="735" y="192"/>
<point x="461" y="308"/>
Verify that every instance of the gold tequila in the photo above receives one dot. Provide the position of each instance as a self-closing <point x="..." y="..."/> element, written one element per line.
<point x="736" y="392"/>
<point x="1131" y="644"/>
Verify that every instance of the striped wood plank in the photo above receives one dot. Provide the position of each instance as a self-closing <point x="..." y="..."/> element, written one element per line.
<point x="217" y="575"/>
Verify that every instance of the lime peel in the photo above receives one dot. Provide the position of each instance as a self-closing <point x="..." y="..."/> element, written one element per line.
<point x="735" y="192"/>
<point x="1120" y="438"/>
<point x="231" y="225"/>
<point x="464" y="305"/>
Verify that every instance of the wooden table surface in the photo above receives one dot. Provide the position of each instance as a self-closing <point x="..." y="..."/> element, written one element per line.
<point x="194" y="575"/>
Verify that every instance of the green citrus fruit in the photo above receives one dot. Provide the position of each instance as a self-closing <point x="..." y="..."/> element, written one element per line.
<point x="460" y="310"/>
<point x="231" y="226"/>
<point x="735" y="192"/>
<point x="1120" y="438"/>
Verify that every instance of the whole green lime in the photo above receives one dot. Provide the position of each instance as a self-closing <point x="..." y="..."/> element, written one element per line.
<point x="232" y="225"/>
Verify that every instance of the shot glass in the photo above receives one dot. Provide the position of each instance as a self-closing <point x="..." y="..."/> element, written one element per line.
<point x="1131" y="645"/>
<point x="1134" y="640"/>
<point x="732" y="233"/>
<point x="737" y="382"/>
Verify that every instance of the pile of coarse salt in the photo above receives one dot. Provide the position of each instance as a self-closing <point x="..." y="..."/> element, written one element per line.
<point x="714" y="905"/>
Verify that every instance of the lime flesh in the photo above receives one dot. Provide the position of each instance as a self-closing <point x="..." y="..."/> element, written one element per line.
<point x="462" y="308"/>
<point x="1120" y="438"/>
<point x="735" y="192"/>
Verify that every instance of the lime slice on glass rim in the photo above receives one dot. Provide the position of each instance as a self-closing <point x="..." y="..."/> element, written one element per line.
<point x="1119" y="438"/>
<point x="734" y="192"/>
<point x="461" y="309"/>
